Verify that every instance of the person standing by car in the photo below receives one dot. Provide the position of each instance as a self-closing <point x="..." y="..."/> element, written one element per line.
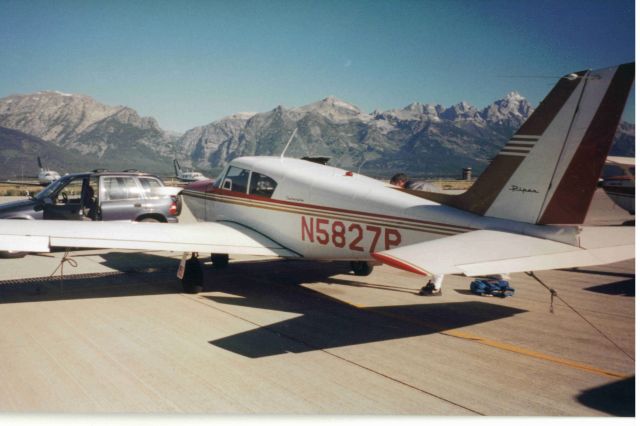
<point x="88" y="201"/>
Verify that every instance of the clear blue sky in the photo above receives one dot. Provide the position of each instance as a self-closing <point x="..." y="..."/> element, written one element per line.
<point x="188" y="63"/>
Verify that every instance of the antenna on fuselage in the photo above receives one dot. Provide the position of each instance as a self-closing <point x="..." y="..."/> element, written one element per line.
<point x="289" y="142"/>
<point x="360" y="166"/>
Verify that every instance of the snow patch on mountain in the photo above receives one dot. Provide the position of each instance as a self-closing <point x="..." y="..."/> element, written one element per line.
<point x="334" y="109"/>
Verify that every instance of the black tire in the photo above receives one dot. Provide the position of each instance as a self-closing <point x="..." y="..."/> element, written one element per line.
<point x="219" y="261"/>
<point x="193" y="278"/>
<point x="12" y="254"/>
<point x="361" y="269"/>
<point x="150" y="220"/>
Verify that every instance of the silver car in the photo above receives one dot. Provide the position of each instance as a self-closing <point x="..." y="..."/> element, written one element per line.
<point x="99" y="195"/>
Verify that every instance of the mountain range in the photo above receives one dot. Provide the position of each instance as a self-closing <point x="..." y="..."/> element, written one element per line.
<point x="74" y="132"/>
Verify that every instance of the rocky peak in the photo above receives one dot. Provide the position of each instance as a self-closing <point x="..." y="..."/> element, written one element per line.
<point x="129" y="116"/>
<point x="461" y="111"/>
<point x="416" y="107"/>
<point x="415" y="111"/>
<point x="243" y="116"/>
<point x="51" y="115"/>
<point x="514" y="96"/>
<point x="86" y="126"/>
<point x="333" y="108"/>
<point x="513" y="107"/>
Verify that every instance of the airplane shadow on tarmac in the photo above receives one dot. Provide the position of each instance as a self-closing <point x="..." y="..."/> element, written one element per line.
<point x="617" y="398"/>
<point x="139" y="274"/>
<point x="328" y="323"/>
<point x="622" y="288"/>
<point x="625" y="287"/>
<point x="271" y="284"/>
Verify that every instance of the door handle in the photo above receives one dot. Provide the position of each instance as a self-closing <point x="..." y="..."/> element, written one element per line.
<point x="137" y="205"/>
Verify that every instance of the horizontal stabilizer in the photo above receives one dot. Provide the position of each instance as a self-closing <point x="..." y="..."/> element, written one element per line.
<point x="206" y="237"/>
<point x="486" y="252"/>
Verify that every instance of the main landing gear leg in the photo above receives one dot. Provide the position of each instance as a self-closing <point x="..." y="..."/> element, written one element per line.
<point x="433" y="287"/>
<point x="192" y="277"/>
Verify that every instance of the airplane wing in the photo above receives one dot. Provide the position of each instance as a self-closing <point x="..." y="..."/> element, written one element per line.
<point x="621" y="161"/>
<point x="485" y="252"/>
<point x="208" y="237"/>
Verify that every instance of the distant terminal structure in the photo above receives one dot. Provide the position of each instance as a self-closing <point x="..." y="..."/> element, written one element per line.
<point x="466" y="173"/>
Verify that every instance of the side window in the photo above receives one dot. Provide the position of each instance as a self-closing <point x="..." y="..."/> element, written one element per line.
<point x="70" y="192"/>
<point x="261" y="185"/>
<point x="236" y="180"/>
<point x="120" y="188"/>
<point x="149" y="186"/>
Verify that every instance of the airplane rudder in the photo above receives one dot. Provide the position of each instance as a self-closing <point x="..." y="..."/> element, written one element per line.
<point x="490" y="194"/>
<point x="572" y="191"/>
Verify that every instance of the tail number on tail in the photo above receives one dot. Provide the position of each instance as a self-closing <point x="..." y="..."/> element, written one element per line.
<point x="348" y="235"/>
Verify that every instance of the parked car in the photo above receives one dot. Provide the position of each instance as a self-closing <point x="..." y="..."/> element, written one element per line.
<point x="98" y="195"/>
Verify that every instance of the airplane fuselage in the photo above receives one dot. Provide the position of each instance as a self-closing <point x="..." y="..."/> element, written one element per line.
<point x="191" y="176"/>
<point x="45" y="177"/>
<point x="301" y="212"/>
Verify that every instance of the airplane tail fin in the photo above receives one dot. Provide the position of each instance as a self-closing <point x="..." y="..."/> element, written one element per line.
<point x="176" y="167"/>
<point x="548" y="171"/>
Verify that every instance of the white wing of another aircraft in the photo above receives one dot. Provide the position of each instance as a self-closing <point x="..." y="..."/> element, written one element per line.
<point x="621" y="161"/>
<point x="210" y="237"/>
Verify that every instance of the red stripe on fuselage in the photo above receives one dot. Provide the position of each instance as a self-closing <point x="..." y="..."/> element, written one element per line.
<point x="207" y="189"/>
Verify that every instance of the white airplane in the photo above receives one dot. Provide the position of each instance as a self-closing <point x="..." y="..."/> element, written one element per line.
<point x="46" y="176"/>
<point x="186" y="176"/>
<point x="622" y="188"/>
<point x="524" y="213"/>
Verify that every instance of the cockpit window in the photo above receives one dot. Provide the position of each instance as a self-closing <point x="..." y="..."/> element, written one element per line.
<point x="236" y="180"/>
<point x="261" y="185"/>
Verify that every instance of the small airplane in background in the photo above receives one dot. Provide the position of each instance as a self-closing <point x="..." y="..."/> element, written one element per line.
<point x="524" y="213"/>
<point x="621" y="188"/>
<point x="187" y="176"/>
<point x="46" y="176"/>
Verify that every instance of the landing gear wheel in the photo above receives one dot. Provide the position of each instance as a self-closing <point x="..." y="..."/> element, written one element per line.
<point x="219" y="261"/>
<point x="12" y="254"/>
<point x="192" y="279"/>
<point x="150" y="220"/>
<point x="362" y="269"/>
<point x="430" y="290"/>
